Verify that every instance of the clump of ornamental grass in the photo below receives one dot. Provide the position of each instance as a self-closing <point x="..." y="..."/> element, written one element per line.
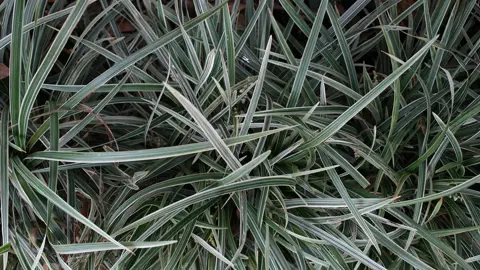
<point x="201" y="135"/>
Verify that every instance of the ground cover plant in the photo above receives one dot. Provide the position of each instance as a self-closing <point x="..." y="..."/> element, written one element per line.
<point x="240" y="135"/>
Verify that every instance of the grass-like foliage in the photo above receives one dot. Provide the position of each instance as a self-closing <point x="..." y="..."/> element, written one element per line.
<point x="240" y="135"/>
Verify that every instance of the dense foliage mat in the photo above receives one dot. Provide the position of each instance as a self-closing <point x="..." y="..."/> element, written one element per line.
<point x="240" y="135"/>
